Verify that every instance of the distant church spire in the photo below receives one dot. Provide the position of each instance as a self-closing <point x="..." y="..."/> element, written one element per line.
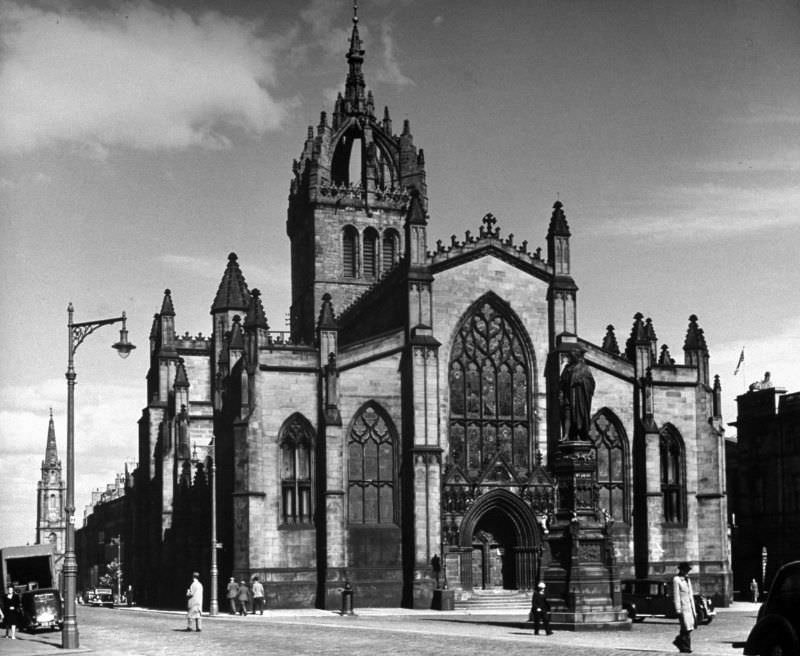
<point x="51" y="452"/>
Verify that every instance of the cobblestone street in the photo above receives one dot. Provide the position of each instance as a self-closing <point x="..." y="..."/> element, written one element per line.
<point x="144" y="632"/>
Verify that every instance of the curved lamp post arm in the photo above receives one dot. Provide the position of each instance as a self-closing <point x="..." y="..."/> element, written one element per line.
<point x="77" y="333"/>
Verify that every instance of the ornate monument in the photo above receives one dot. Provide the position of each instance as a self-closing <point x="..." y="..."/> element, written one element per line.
<point x="582" y="576"/>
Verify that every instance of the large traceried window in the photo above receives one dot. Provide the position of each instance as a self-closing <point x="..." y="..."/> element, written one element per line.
<point x="371" y="468"/>
<point x="349" y="251"/>
<point x="672" y="477"/>
<point x="490" y="388"/>
<point x="296" y="442"/>
<point x="611" y="450"/>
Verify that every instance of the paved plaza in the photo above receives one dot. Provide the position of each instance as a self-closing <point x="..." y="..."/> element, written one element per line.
<point x="399" y="632"/>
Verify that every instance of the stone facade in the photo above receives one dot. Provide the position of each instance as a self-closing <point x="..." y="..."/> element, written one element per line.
<point x="413" y="408"/>
<point x="764" y="486"/>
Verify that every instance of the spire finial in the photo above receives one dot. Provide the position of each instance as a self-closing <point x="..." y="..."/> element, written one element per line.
<point x="355" y="11"/>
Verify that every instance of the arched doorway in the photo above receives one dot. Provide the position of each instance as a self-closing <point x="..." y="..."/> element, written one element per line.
<point x="500" y="543"/>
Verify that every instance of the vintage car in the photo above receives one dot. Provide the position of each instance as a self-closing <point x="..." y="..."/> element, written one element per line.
<point x="777" y="628"/>
<point x="653" y="598"/>
<point x="42" y="609"/>
<point x="100" y="597"/>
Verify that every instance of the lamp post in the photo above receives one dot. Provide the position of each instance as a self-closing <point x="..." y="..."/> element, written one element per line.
<point x="77" y="332"/>
<point x="213" y="608"/>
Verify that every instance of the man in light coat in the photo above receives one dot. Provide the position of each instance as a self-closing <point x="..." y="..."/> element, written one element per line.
<point x="194" y="603"/>
<point x="683" y="598"/>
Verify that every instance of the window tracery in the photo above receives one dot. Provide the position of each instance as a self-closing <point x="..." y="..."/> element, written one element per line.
<point x="296" y="446"/>
<point x="611" y="457"/>
<point x="371" y="468"/>
<point x="490" y="386"/>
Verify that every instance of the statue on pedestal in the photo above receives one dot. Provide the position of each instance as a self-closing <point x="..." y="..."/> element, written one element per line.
<point x="575" y="391"/>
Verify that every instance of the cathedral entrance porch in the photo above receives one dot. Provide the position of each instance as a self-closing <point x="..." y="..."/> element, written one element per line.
<point x="498" y="547"/>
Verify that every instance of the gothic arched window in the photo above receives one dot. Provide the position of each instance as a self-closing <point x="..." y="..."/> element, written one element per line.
<point x="371" y="468"/>
<point x="390" y="244"/>
<point x="370" y="253"/>
<point x="672" y="476"/>
<point x="490" y="389"/>
<point x="349" y="251"/>
<point x="611" y="451"/>
<point x="296" y="441"/>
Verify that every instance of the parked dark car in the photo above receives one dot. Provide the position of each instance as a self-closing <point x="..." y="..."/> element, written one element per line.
<point x="100" y="597"/>
<point x="644" y="598"/>
<point x="42" y="609"/>
<point x="777" y="628"/>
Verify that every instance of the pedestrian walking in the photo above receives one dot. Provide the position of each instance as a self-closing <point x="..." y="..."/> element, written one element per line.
<point x="12" y="612"/>
<point x="194" y="603"/>
<point x="683" y="598"/>
<point x="232" y="591"/>
<point x="258" y="596"/>
<point x="754" y="590"/>
<point x="242" y="597"/>
<point x="540" y="610"/>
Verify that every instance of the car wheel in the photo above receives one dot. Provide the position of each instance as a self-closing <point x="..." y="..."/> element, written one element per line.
<point x="774" y="646"/>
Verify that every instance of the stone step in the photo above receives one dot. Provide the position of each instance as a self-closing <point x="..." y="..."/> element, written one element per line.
<point x="505" y="600"/>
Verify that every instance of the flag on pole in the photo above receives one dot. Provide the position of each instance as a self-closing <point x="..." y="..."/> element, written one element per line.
<point x="739" y="364"/>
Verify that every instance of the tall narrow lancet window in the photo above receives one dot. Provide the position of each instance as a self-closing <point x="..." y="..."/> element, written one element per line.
<point x="370" y="253"/>
<point x="672" y="476"/>
<point x="390" y="246"/>
<point x="296" y="440"/>
<point x="349" y="251"/>
<point x="490" y="391"/>
<point x="611" y="450"/>
<point x="371" y="468"/>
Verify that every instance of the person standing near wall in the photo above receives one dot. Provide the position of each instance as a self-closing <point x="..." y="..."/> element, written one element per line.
<point x="258" y="596"/>
<point x="232" y="591"/>
<point x="194" y="603"/>
<point x="683" y="598"/>
<point x="540" y="610"/>
<point x="754" y="590"/>
<point x="242" y="597"/>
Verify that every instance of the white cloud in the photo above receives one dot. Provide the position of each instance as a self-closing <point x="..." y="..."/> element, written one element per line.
<point x="390" y="68"/>
<point x="105" y="438"/>
<point x="777" y="351"/>
<point x="787" y="161"/>
<point x="135" y="75"/>
<point x="696" y="211"/>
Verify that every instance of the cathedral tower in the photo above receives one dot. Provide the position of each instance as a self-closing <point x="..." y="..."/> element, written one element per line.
<point x="50" y="527"/>
<point x="348" y="199"/>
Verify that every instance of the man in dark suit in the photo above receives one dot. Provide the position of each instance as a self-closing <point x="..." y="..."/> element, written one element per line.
<point x="540" y="610"/>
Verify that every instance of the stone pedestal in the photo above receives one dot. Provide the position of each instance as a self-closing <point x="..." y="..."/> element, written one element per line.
<point x="582" y="578"/>
<point x="443" y="599"/>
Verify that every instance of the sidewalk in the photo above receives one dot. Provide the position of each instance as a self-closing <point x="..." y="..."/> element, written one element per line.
<point x="49" y="644"/>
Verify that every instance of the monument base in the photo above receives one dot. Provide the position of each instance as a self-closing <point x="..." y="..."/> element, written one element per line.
<point x="612" y="620"/>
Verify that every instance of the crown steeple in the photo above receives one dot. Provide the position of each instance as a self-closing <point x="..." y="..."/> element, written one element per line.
<point x="354" y="86"/>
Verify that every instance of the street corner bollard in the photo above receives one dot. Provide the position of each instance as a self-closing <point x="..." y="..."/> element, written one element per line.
<point x="347" y="599"/>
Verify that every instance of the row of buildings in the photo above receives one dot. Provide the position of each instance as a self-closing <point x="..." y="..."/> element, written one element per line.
<point x="414" y="410"/>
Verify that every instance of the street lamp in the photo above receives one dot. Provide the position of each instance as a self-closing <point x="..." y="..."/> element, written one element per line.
<point x="213" y="608"/>
<point x="77" y="332"/>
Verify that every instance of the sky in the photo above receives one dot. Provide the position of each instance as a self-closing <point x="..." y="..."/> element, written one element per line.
<point x="141" y="142"/>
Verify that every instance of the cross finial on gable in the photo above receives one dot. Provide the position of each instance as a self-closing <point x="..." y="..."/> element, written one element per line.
<point x="489" y="222"/>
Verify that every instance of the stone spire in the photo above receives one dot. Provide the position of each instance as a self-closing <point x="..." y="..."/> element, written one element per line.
<point x="695" y="339"/>
<point x="255" y="317"/>
<point x="232" y="293"/>
<point x="354" y="86"/>
<point x="167" y="309"/>
<point x="51" y="451"/>
<point x="610" y="341"/>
